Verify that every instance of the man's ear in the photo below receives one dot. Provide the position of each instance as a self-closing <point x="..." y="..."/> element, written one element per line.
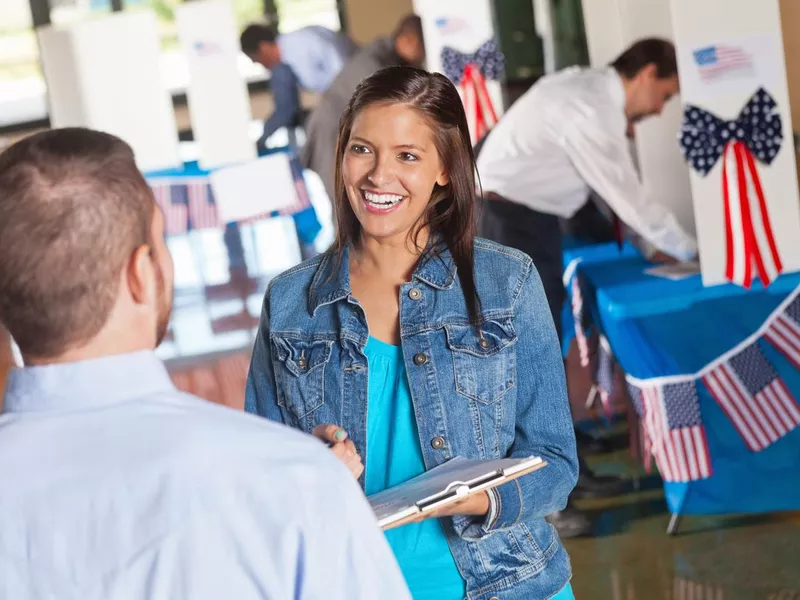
<point x="140" y="276"/>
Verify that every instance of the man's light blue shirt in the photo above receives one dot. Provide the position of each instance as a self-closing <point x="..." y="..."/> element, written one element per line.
<point x="315" y="54"/>
<point x="115" y="486"/>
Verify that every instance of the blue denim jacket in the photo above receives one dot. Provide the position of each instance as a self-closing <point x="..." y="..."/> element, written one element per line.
<point x="497" y="393"/>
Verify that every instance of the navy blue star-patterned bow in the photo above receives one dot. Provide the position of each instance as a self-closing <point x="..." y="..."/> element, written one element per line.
<point x="704" y="136"/>
<point x="488" y="58"/>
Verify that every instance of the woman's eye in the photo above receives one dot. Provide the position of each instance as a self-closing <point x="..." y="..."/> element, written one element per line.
<point x="358" y="149"/>
<point x="408" y="157"/>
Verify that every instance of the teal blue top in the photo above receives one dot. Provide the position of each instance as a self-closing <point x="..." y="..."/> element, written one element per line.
<point x="394" y="455"/>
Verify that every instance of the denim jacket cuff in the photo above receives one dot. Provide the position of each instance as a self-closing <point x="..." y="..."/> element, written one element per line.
<point x="508" y="509"/>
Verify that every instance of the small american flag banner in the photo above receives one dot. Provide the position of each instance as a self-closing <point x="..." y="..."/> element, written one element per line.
<point x="754" y="397"/>
<point x="784" y="332"/>
<point x="604" y="373"/>
<point x="675" y="431"/>
<point x="577" y="318"/>
<point x="641" y="447"/>
<point x="202" y="209"/>
<point x="176" y="215"/>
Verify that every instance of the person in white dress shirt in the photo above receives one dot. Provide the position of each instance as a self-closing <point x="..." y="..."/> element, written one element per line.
<point x="115" y="486"/>
<point x="566" y="137"/>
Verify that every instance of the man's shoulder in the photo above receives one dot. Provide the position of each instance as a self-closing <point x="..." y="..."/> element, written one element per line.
<point x="228" y="431"/>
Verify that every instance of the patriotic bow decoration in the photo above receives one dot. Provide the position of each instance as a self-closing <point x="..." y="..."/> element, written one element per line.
<point x="756" y="132"/>
<point x="470" y="72"/>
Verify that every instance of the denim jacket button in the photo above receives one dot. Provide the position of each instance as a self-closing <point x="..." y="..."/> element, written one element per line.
<point x="415" y="293"/>
<point x="420" y="359"/>
<point x="437" y="443"/>
<point x="484" y="344"/>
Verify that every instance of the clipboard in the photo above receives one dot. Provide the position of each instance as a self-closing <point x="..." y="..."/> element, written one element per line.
<point x="453" y="481"/>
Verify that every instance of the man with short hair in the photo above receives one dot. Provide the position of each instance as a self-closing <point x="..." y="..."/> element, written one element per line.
<point x="406" y="46"/>
<point x="114" y="484"/>
<point x="309" y="58"/>
<point x="565" y="136"/>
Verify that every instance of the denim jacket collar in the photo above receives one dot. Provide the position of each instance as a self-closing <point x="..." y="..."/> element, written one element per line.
<point x="331" y="282"/>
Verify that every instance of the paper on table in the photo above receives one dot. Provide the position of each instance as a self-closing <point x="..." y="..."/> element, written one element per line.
<point x="254" y="188"/>
<point x="447" y="483"/>
<point x="675" y="272"/>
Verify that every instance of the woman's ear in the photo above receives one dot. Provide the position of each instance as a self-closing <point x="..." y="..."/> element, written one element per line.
<point x="443" y="179"/>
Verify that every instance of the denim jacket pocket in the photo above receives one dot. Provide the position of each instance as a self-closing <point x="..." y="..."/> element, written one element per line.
<point x="300" y="373"/>
<point x="484" y="360"/>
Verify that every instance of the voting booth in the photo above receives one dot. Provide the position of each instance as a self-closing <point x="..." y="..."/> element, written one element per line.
<point x="737" y="138"/>
<point x="105" y="74"/>
<point x="460" y="42"/>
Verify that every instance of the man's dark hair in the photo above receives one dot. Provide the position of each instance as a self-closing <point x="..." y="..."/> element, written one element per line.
<point x="409" y="25"/>
<point x="647" y="51"/>
<point x="73" y="207"/>
<point x="254" y="35"/>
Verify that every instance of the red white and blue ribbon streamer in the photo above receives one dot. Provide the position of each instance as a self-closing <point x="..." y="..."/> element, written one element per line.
<point x="470" y="72"/>
<point x="755" y="134"/>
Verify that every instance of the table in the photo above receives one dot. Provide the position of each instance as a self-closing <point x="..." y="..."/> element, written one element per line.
<point x="663" y="331"/>
<point x="186" y="197"/>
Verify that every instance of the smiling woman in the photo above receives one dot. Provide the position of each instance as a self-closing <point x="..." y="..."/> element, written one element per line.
<point x="419" y="343"/>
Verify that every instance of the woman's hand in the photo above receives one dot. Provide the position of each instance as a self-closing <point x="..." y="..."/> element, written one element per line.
<point x="476" y="505"/>
<point x="342" y="448"/>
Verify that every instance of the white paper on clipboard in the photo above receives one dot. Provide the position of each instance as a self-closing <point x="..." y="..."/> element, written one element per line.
<point x="445" y="484"/>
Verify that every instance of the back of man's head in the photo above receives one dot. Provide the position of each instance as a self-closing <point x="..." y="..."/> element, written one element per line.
<point x="253" y="36"/>
<point x="73" y="209"/>
<point x="644" y="52"/>
<point x="409" y="42"/>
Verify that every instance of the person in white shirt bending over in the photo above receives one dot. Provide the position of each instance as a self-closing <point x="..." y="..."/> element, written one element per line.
<point x="567" y="136"/>
<point x="115" y="486"/>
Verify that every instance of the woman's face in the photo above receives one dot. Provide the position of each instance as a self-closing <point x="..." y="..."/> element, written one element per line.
<point x="390" y="167"/>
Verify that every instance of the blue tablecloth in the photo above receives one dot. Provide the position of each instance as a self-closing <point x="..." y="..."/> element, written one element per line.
<point x="658" y="327"/>
<point x="305" y="219"/>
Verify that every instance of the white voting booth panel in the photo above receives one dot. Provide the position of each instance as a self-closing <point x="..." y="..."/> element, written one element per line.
<point x="104" y="74"/>
<point x="463" y="25"/>
<point x="219" y="104"/>
<point x="612" y="26"/>
<point x="727" y="50"/>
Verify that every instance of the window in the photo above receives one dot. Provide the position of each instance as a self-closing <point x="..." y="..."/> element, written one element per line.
<point x="294" y="14"/>
<point x="21" y="83"/>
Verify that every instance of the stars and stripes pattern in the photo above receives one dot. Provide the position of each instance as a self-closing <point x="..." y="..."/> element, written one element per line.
<point x="191" y="204"/>
<point x="754" y="398"/>
<point x="202" y="208"/>
<point x="784" y="332"/>
<point x="576" y="298"/>
<point x="756" y="133"/>
<point x="470" y="72"/>
<point x="676" y="432"/>
<point x="176" y="215"/>
<point x="604" y="374"/>
<point x="644" y="445"/>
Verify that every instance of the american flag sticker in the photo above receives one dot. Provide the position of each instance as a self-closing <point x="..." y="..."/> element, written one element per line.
<point x="451" y="25"/>
<point x="720" y="61"/>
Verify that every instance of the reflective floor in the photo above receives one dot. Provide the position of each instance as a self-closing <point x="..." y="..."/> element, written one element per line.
<point x="631" y="557"/>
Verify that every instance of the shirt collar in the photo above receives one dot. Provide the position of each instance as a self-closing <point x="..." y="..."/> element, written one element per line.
<point x="615" y="88"/>
<point x="331" y="282"/>
<point x="85" y="384"/>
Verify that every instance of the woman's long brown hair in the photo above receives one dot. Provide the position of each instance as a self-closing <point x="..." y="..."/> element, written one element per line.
<point x="450" y="215"/>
